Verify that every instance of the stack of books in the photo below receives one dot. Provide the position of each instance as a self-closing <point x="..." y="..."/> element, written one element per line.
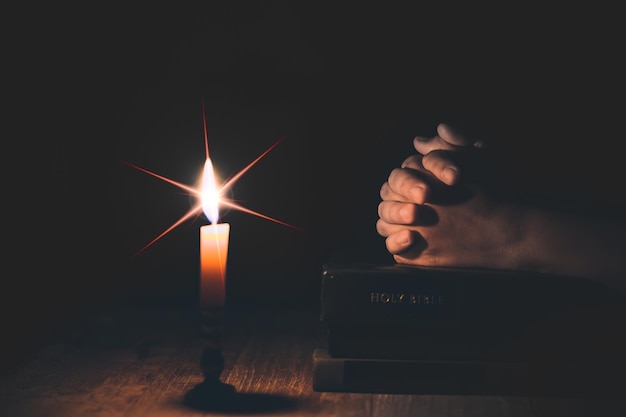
<point x="405" y="329"/>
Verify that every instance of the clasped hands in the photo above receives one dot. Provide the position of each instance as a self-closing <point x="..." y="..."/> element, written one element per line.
<point x="438" y="208"/>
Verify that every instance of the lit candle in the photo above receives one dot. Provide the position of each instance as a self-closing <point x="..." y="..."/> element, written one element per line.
<point x="213" y="245"/>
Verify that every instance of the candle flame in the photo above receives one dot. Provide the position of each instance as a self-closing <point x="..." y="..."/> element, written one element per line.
<point x="209" y="193"/>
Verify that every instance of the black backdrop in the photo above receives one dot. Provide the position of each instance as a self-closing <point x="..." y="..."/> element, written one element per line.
<point x="349" y="85"/>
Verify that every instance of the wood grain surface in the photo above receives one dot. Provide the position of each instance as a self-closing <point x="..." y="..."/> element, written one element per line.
<point x="123" y="361"/>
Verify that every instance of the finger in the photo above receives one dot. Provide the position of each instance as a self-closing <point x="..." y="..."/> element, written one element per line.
<point x="400" y="241"/>
<point x="413" y="162"/>
<point x="386" y="229"/>
<point x="398" y="213"/>
<point x="444" y="169"/>
<point x="408" y="185"/>
<point x="424" y="145"/>
<point x="452" y="136"/>
<point x="387" y="194"/>
<point x="416" y="163"/>
<point x="447" y="139"/>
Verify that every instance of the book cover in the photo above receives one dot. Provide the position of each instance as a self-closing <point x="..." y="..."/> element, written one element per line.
<point x="564" y="377"/>
<point x="367" y="375"/>
<point x="397" y="311"/>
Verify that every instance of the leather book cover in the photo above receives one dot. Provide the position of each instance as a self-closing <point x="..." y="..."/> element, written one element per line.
<point x="367" y="375"/>
<point x="396" y="311"/>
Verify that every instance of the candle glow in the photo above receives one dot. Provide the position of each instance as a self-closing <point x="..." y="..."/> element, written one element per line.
<point x="197" y="209"/>
<point x="213" y="245"/>
<point x="214" y="237"/>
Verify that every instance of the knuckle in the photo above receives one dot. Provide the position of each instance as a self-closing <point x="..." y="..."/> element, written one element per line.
<point x="381" y="209"/>
<point x="432" y="160"/>
<point x="384" y="190"/>
<point x="407" y="213"/>
<point x="381" y="228"/>
<point x="395" y="174"/>
<point x="413" y="162"/>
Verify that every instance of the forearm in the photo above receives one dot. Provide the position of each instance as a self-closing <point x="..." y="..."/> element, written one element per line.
<point x="571" y="244"/>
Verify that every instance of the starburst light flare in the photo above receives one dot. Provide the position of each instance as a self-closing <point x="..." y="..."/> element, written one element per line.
<point x="213" y="193"/>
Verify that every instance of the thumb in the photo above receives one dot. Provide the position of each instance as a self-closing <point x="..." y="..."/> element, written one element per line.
<point x="450" y="135"/>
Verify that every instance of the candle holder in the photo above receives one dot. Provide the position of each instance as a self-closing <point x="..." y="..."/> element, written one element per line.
<point x="211" y="393"/>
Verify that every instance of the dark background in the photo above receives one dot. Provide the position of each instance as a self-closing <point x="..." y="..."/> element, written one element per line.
<point x="351" y="85"/>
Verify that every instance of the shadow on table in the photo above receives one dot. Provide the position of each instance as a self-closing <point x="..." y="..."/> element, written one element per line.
<point x="226" y="400"/>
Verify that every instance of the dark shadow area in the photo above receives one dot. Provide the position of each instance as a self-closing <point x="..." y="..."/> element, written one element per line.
<point x="223" y="398"/>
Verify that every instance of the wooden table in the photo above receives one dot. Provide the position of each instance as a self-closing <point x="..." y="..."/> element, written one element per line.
<point x="131" y="361"/>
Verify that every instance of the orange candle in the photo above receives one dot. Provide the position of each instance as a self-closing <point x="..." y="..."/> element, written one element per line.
<point x="213" y="257"/>
<point x="213" y="245"/>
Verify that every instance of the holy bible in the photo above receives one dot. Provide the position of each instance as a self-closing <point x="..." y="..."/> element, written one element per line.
<point x="405" y="329"/>
<point x="397" y="311"/>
